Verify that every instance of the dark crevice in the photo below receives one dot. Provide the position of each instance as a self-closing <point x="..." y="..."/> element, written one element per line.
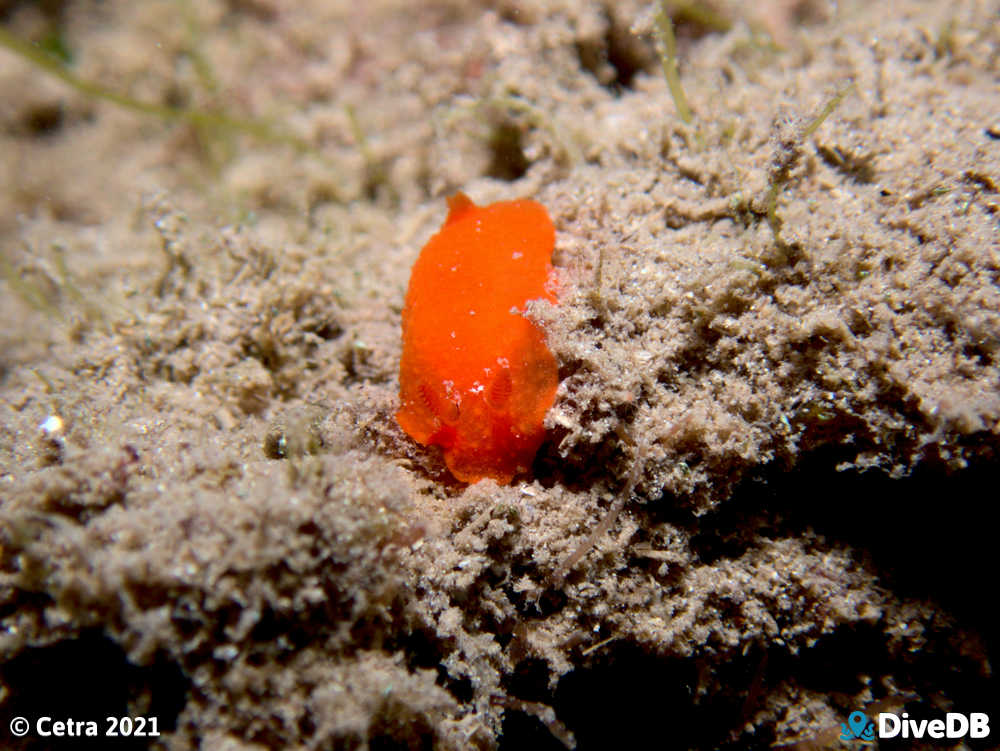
<point x="858" y="167"/>
<point x="43" y="119"/>
<point x="508" y="161"/>
<point x="90" y="679"/>
<point x="925" y="535"/>
<point x="627" y="697"/>
<point x="615" y="58"/>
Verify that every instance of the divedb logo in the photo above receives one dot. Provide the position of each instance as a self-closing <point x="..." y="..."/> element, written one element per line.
<point x="954" y="725"/>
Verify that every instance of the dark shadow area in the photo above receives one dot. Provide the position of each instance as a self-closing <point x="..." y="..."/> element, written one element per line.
<point x="928" y="536"/>
<point x="522" y="732"/>
<point x="629" y="699"/>
<point x="615" y="58"/>
<point x="88" y="679"/>
<point x="508" y="159"/>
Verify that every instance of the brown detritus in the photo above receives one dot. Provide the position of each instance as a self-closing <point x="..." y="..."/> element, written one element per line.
<point x="787" y="141"/>
<point x="600" y="645"/>
<point x="610" y="516"/>
<point x="545" y="715"/>
<point x="296" y="435"/>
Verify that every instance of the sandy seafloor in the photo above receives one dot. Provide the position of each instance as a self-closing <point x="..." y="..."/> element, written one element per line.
<point x="209" y="516"/>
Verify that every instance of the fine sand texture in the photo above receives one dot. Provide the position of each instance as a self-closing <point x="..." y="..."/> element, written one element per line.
<point x="763" y="501"/>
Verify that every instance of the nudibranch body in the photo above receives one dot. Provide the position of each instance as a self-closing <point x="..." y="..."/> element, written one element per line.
<point x="476" y="377"/>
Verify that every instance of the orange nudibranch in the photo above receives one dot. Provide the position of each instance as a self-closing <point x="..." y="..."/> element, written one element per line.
<point x="476" y="377"/>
